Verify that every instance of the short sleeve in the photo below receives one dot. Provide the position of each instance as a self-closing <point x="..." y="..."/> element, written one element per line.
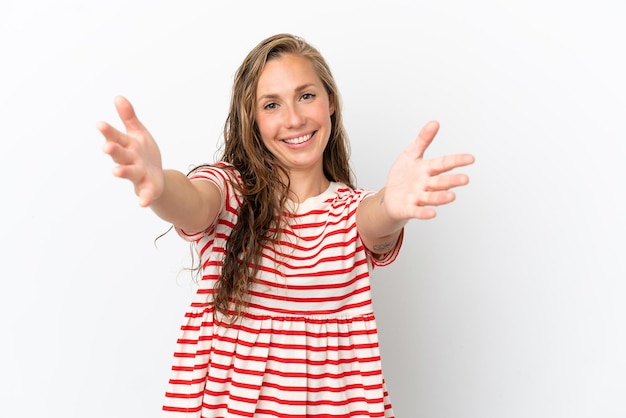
<point x="224" y="177"/>
<point x="380" y="260"/>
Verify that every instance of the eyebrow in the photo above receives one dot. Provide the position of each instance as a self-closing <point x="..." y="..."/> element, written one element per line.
<point x="298" y="89"/>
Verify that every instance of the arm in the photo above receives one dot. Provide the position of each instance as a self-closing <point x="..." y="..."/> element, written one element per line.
<point x="377" y="229"/>
<point x="190" y="205"/>
<point x="414" y="186"/>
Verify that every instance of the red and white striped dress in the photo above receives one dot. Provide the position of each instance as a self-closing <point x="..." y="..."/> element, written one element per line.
<point x="308" y="344"/>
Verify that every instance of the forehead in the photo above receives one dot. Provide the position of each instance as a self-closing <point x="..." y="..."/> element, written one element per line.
<point x="285" y="73"/>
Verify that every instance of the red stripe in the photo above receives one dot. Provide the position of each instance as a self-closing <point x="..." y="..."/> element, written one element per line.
<point x="311" y="312"/>
<point x="305" y="299"/>
<point x="336" y="272"/>
<point x="349" y="415"/>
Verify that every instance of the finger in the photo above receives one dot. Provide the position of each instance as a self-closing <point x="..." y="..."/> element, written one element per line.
<point x="118" y="153"/>
<point x="143" y="189"/>
<point x="145" y="197"/>
<point x="423" y="140"/>
<point x="446" y="181"/>
<point x="112" y="134"/>
<point x="449" y="162"/>
<point x="437" y="198"/>
<point x="133" y="173"/>
<point x="421" y="212"/>
<point x="127" y="114"/>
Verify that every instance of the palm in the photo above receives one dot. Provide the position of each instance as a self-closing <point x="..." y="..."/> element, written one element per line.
<point x="415" y="185"/>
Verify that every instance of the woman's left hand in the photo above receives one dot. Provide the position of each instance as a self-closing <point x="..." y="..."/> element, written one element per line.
<point x="415" y="185"/>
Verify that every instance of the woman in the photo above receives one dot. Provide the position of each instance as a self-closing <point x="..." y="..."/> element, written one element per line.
<point x="283" y="324"/>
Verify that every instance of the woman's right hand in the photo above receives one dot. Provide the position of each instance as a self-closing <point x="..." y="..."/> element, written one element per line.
<point x="136" y="153"/>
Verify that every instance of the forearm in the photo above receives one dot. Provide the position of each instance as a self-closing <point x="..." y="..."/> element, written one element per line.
<point x="191" y="206"/>
<point x="378" y="231"/>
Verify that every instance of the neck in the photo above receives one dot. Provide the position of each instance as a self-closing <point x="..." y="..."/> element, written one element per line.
<point x="305" y="186"/>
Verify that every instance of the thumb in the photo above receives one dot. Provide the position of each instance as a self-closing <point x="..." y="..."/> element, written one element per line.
<point x="127" y="114"/>
<point x="424" y="139"/>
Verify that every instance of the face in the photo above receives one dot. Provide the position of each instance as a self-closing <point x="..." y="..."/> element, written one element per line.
<point x="293" y="113"/>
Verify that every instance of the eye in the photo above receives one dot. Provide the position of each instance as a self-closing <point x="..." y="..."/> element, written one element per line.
<point x="270" y="106"/>
<point x="308" y="96"/>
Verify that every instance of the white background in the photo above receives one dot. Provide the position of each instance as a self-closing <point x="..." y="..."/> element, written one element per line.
<point x="511" y="303"/>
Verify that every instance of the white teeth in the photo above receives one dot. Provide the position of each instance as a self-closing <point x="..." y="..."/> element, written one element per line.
<point x="299" y="139"/>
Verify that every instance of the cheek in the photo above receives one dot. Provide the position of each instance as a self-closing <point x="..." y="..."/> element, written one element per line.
<point x="264" y="123"/>
<point x="266" y="130"/>
<point x="263" y="130"/>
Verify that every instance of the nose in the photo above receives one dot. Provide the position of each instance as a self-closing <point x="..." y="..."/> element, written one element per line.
<point x="294" y="117"/>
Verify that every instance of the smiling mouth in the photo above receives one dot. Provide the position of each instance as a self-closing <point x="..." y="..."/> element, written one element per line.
<point x="298" y="140"/>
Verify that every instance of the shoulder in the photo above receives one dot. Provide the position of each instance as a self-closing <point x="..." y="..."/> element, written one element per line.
<point x="220" y="172"/>
<point x="347" y="194"/>
<point x="228" y="181"/>
<point x="223" y="175"/>
<point x="226" y="178"/>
